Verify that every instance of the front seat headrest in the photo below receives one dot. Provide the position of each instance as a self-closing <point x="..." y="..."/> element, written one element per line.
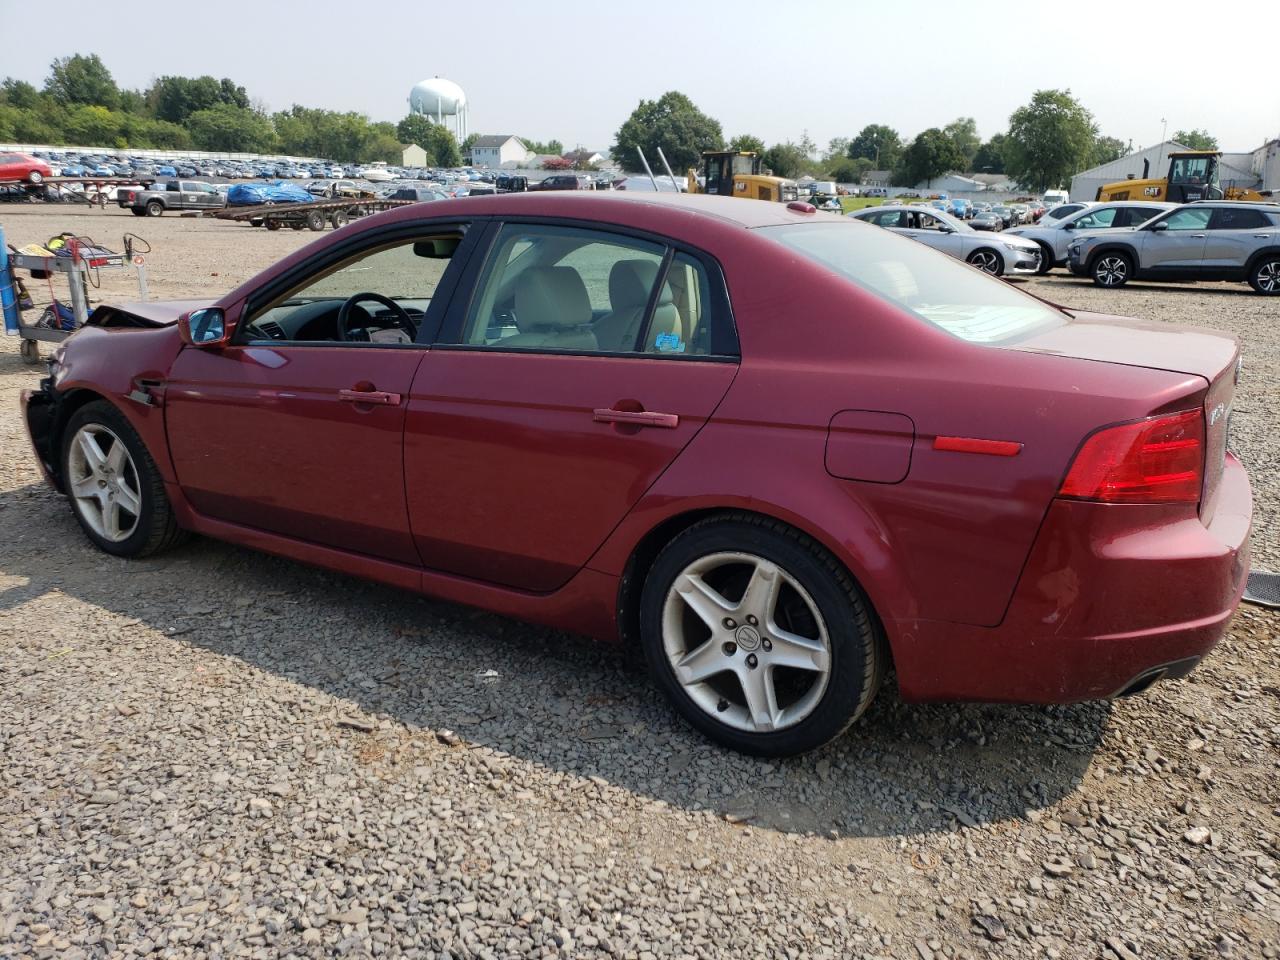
<point x="551" y="298"/>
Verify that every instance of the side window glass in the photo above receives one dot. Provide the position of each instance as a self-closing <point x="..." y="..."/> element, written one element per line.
<point x="380" y="296"/>
<point x="1139" y="215"/>
<point x="1192" y="218"/>
<point x="1226" y="218"/>
<point x="1097" y="220"/>
<point x="681" y="322"/>
<point x="563" y="288"/>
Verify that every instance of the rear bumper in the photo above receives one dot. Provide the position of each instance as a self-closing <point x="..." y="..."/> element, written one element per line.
<point x="1112" y="596"/>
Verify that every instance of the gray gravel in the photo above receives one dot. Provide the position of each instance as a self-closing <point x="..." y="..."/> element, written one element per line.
<point x="214" y="753"/>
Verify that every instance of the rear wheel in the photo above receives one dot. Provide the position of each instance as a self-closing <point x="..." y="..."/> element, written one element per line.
<point x="315" y="220"/>
<point x="137" y="212"/>
<point x="1265" y="276"/>
<point x="988" y="261"/>
<point x="1111" y="270"/>
<point x="116" y="492"/>
<point x="338" y="218"/>
<point x="272" y="223"/>
<point x="154" y="208"/>
<point x="758" y="636"/>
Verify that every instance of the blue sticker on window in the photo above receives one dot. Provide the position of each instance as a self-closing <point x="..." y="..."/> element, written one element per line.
<point x="668" y="343"/>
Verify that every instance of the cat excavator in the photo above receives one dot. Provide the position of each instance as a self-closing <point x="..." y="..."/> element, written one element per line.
<point x="1193" y="175"/>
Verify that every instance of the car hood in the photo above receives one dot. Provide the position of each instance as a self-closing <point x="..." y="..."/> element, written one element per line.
<point x="157" y="313"/>
<point x="1018" y="242"/>
<point x="1196" y="351"/>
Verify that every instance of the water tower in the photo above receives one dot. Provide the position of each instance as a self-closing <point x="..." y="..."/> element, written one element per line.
<point x="441" y="101"/>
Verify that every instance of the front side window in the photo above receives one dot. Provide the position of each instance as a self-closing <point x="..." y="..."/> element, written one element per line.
<point x="936" y="288"/>
<point x="585" y="291"/>
<point x="1192" y="218"/>
<point x="378" y="296"/>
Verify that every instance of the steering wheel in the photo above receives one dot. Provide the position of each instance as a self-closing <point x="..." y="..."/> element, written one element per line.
<point x="398" y="314"/>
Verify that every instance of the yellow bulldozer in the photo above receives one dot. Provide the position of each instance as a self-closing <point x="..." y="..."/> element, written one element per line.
<point x="732" y="173"/>
<point x="1193" y="175"/>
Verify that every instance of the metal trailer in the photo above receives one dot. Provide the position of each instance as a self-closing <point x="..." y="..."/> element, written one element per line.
<point x="312" y="216"/>
<point x="99" y="196"/>
<point x="76" y="269"/>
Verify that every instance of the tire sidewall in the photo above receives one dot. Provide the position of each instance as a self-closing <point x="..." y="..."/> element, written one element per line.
<point x="107" y="416"/>
<point x="155" y="208"/>
<point x="999" y="270"/>
<point x="850" y="647"/>
<point x="1257" y="270"/>
<point x="1097" y="261"/>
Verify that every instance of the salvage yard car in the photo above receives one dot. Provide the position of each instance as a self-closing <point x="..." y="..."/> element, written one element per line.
<point x="996" y="255"/>
<point x="619" y="417"/>
<point x="1204" y="240"/>
<point x="174" y="195"/>
<point x="1054" y="236"/>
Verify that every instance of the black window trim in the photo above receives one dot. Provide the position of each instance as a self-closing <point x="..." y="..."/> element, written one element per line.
<point x="449" y="335"/>
<point x="429" y="329"/>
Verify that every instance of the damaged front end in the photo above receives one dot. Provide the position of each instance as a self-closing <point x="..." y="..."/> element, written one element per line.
<point x="41" y="414"/>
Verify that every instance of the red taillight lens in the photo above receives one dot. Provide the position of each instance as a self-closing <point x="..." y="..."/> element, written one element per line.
<point x="1160" y="460"/>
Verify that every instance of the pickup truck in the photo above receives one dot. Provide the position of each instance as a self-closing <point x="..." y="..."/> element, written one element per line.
<point x="174" y="195"/>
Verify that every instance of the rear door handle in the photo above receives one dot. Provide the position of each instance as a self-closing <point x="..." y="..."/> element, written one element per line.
<point x="370" y="396"/>
<point x="1197" y="236"/>
<point x="636" y="418"/>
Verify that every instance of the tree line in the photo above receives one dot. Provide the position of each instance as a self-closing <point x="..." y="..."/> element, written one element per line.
<point x="1048" y="140"/>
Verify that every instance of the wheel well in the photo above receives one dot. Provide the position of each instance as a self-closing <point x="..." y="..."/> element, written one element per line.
<point x="1127" y="251"/>
<point x="1261" y="255"/>
<point x="647" y="550"/>
<point x="68" y="404"/>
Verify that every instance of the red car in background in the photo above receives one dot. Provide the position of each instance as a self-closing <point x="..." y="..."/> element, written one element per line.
<point x="778" y="450"/>
<point x="22" y="166"/>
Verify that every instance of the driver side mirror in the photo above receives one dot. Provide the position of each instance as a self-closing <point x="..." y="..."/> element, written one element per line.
<point x="204" y="328"/>
<point x="1162" y="225"/>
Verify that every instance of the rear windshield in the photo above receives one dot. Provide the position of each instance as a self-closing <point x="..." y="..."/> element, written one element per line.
<point x="938" y="289"/>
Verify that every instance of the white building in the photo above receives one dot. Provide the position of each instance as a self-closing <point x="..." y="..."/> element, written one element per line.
<point x="412" y="155"/>
<point x="1236" y="169"/>
<point x="499" y="151"/>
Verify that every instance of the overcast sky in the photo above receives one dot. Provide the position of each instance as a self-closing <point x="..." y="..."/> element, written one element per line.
<point x="575" y="70"/>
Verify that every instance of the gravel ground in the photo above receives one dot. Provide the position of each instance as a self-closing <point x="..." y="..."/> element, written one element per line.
<point x="214" y="753"/>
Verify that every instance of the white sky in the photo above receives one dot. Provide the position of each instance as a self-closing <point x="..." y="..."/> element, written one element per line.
<point x="574" y="70"/>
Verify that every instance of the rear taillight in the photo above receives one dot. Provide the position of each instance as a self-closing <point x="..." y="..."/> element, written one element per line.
<point x="1158" y="460"/>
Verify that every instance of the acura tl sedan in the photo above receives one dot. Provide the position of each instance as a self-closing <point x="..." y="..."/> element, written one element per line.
<point x="996" y="255"/>
<point x="776" y="451"/>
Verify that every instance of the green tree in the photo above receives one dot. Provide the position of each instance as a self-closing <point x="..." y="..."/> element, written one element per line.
<point x="928" y="156"/>
<point x="1196" y="139"/>
<point x="230" y="92"/>
<point x="844" y="170"/>
<point x="879" y="144"/>
<point x="1049" y="139"/>
<point x="963" y="132"/>
<point x="226" y="127"/>
<point x="19" y="93"/>
<point x="671" y="122"/>
<point x="468" y="143"/>
<point x="176" y="98"/>
<point x="746" y="143"/>
<point x="837" y="147"/>
<point x="442" y="147"/>
<point x="91" y="125"/>
<point x="81" y="79"/>
<point x="414" y="129"/>
<point x="549" y="148"/>
<point x="990" y="156"/>
<point x="1106" y="149"/>
<point x="786" y="159"/>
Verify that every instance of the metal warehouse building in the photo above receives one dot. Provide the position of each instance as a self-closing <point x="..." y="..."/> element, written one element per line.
<point x="1259" y="168"/>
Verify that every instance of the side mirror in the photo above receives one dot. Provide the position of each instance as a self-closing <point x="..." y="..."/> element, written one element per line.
<point x="1069" y="226"/>
<point x="204" y="328"/>
<point x="1162" y="225"/>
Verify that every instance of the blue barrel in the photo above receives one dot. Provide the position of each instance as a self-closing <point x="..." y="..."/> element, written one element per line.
<point x="8" y="293"/>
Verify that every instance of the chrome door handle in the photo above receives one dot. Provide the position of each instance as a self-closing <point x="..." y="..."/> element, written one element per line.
<point x="370" y="396"/>
<point x="1197" y="236"/>
<point x="636" y="418"/>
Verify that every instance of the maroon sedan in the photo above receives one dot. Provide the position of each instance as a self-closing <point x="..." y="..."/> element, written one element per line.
<point x="21" y="166"/>
<point x="779" y="451"/>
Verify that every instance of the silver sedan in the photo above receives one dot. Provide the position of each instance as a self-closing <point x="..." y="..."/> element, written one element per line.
<point x="996" y="254"/>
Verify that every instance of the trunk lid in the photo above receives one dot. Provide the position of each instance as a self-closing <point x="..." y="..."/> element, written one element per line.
<point x="1210" y="354"/>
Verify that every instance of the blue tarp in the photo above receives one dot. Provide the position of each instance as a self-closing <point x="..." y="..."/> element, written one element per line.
<point x="277" y="191"/>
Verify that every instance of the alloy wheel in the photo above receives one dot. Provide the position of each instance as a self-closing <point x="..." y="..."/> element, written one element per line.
<point x="746" y="642"/>
<point x="103" y="482"/>
<point x="1269" y="277"/>
<point x="986" y="261"/>
<point x="1111" y="271"/>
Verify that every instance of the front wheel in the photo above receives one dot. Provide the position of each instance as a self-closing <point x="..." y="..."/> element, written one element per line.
<point x="1265" y="276"/>
<point x="116" y="492"/>
<point x="1112" y="270"/>
<point x="1046" y="259"/>
<point x="988" y="261"/>
<point x="758" y="636"/>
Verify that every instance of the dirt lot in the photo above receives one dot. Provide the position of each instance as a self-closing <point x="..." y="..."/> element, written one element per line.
<point x="216" y="753"/>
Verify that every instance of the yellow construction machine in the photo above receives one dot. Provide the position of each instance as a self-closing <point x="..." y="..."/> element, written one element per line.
<point x="732" y="173"/>
<point x="1193" y="175"/>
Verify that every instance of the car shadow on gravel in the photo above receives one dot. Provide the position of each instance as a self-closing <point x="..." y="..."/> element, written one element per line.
<point x="545" y="698"/>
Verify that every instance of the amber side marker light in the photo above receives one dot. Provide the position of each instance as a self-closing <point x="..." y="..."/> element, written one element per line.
<point x="992" y="448"/>
<point x="1157" y="460"/>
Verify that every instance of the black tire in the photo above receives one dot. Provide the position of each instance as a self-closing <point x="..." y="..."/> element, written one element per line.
<point x="987" y="260"/>
<point x="315" y="220"/>
<point x="296" y="225"/>
<point x="137" y="213"/>
<point x="1046" y="258"/>
<point x="156" y="529"/>
<point x="858" y="651"/>
<point x="1111" y="269"/>
<point x="35" y="178"/>
<point x="154" y="208"/>
<point x="29" y="350"/>
<point x="338" y="218"/>
<point x="1265" y="276"/>
<point x="271" y="223"/>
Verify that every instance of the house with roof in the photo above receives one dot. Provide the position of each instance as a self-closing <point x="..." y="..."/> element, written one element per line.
<point x="499" y="150"/>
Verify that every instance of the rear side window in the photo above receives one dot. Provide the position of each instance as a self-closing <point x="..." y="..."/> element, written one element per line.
<point x="1065" y="211"/>
<point x="936" y="288"/>
<point x="1135" y="216"/>
<point x="1097" y="219"/>
<point x="1225" y="218"/>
